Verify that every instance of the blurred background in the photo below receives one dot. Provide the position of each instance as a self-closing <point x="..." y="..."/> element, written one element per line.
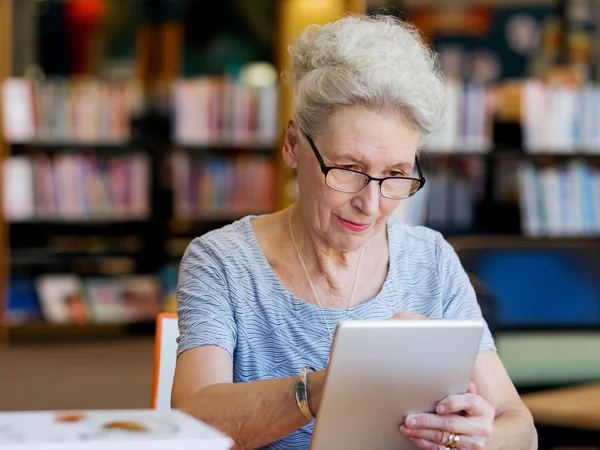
<point x="129" y="127"/>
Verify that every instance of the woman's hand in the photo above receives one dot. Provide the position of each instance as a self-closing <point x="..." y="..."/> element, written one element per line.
<point x="409" y="316"/>
<point x="467" y="416"/>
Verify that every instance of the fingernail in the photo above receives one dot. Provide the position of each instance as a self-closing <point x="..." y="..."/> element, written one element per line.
<point x="441" y="408"/>
<point x="411" y="420"/>
<point x="405" y="430"/>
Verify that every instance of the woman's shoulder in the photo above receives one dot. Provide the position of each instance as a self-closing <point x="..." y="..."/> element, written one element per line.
<point x="414" y="235"/>
<point x="421" y="244"/>
<point x="226" y="244"/>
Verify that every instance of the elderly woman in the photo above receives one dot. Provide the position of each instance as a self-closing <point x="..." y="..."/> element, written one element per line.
<point x="259" y="300"/>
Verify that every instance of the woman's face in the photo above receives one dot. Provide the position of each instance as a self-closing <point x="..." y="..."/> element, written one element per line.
<point x="378" y="144"/>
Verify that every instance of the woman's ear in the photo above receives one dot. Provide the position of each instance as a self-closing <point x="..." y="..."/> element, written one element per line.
<point x="290" y="142"/>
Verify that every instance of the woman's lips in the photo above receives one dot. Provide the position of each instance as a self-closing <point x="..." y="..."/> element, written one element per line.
<point x="353" y="226"/>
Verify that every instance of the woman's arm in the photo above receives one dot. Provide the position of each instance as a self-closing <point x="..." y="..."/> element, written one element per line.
<point x="253" y="414"/>
<point x="494" y="415"/>
<point x="513" y="425"/>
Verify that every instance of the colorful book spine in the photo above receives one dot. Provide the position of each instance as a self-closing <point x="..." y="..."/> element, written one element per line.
<point x="77" y="187"/>
<point x="560" y="200"/>
<point x="69" y="110"/>
<point x="223" y="111"/>
<point x="205" y="187"/>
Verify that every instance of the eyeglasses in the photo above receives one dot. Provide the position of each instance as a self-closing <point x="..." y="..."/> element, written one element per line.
<point x="352" y="181"/>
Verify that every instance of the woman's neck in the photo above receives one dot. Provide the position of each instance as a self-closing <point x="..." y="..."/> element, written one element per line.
<point x="324" y="263"/>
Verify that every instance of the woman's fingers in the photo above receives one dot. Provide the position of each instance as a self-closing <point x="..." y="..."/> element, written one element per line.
<point x="472" y="404"/>
<point x="472" y="388"/>
<point x="435" y="430"/>
<point x="425" y="444"/>
<point x="471" y="429"/>
<point x="450" y="423"/>
<point x="436" y="437"/>
<point x="407" y="316"/>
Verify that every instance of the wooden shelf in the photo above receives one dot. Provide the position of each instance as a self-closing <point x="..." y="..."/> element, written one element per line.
<point x="6" y="43"/>
<point x="209" y="147"/>
<point x="41" y="332"/>
<point x="73" y="146"/>
<point x="91" y="222"/>
<point x="493" y="241"/>
<point x="517" y="153"/>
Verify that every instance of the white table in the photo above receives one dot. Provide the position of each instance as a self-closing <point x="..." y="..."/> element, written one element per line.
<point x="107" y="430"/>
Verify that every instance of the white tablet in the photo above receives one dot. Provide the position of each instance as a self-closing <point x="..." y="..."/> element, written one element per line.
<point x="381" y="371"/>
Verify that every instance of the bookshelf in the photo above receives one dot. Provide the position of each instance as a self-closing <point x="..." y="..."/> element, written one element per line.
<point x="534" y="138"/>
<point x="5" y="71"/>
<point x="190" y="164"/>
<point x="232" y="129"/>
<point x="90" y="157"/>
<point x="509" y="188"/>
<point x="530" y="241"/>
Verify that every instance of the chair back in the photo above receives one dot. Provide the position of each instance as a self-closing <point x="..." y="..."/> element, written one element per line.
<point x="165" y="357"/>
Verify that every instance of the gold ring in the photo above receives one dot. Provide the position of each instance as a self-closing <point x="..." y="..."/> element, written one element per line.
<point x="450" y="440"/>
<point x="454" y="440"/>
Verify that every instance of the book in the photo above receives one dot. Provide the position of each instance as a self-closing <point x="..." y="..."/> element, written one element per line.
<point x="104" y="298"/>
<point x="18" y="189"/>
<point x="142" y="297"/>
<point x="18" y="110"/>
<point x="169" y="276"/>
<point x="62" y="299"/>
<point x="23" y="303"/>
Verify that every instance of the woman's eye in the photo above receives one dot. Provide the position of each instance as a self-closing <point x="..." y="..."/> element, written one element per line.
<point x="397" y="174"/>
<point x="351" y="167"/>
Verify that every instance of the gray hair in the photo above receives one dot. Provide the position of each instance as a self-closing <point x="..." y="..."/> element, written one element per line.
<point x="377" y="62"/>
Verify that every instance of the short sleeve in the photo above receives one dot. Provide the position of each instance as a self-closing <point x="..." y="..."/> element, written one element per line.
<point x="204" y="309"/>
<point x="459" y="298"/>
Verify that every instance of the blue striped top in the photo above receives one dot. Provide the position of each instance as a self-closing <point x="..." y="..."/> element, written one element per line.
<point x="229" y="296"/>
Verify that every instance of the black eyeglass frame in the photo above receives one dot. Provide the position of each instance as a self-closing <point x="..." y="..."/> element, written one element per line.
<point x="326" y="169"/>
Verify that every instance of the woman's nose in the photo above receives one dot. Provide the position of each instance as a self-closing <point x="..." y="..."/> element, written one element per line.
<point x="367" y="200"/>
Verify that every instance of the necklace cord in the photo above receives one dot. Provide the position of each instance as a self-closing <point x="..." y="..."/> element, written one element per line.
<point x="310" y="281"/>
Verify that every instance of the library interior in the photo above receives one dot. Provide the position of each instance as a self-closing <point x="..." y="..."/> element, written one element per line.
<point x="131" y="127"/>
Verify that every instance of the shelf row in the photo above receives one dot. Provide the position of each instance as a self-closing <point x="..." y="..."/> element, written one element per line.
<point x="559" y="197"/>
<point x="88" y="187"/>
<point x="65" y="298"/>
<point x="242" y="112"/>
<point x="203" y="111"/>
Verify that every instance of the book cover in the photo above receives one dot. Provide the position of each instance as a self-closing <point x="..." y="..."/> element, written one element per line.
<point x="18" y="110"/>
<point x="23" y="304"/>
<point x="61" y="299"/>
<point x="18" y="188"/>
<point x="141" y="297"/>
<point x="104" y="298"/>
